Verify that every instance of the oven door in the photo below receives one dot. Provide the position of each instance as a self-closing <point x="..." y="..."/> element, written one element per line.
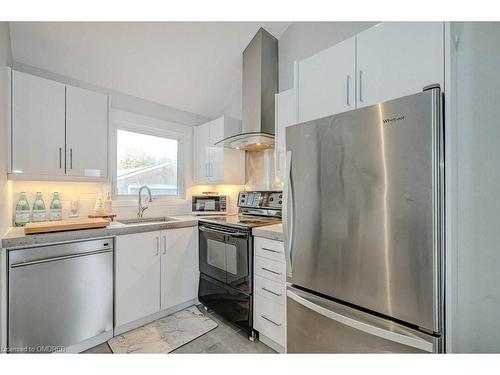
<point x="224" y="255"/>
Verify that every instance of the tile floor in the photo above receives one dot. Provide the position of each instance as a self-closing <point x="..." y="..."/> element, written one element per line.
<point x="226" y="338"/>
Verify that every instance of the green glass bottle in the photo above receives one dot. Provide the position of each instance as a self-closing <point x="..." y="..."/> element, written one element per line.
<point x="22" y="211"/>
<point x="56" y="208"/>
<point x="38" y="208"/>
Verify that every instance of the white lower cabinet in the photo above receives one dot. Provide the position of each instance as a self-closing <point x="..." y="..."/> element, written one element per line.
<point x="137" y="276"/>
<point x="269" y="292"/>
<point x="154" y="272"/>
<point x="179" y="266"/>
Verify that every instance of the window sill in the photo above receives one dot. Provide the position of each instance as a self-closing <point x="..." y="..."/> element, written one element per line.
<point x="123" y="201"/>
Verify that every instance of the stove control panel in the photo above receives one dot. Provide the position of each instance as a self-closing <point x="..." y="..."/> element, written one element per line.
<point x="261" y="199"/>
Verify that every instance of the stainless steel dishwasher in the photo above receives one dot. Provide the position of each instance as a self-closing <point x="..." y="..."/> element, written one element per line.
<point x="60" y="296"/>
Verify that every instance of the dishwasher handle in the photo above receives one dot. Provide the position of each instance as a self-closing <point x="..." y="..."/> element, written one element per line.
<point x="63" y="257"/>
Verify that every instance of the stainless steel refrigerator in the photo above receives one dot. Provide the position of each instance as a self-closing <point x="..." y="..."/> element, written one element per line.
<point x="364" y="229"/>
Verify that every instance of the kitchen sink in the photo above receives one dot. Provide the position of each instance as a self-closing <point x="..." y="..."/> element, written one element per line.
<point x="146" y="220"/>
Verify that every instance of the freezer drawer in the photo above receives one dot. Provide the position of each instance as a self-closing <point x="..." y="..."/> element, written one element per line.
<point x="317" y="325"/>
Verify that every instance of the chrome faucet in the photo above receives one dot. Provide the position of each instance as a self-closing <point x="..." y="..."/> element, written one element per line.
<point x="141" y="208"/>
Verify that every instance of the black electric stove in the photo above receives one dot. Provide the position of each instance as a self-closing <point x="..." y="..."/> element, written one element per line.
<point x="226" y="256"/>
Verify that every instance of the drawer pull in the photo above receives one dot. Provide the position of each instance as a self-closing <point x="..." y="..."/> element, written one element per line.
<point x="270" y="250"/>
<point x="268" y="270"/>
<point x="269" y="320"/>
<point x="270" y="291"/>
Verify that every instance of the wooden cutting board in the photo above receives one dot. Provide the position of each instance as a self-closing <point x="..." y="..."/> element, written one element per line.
<point x="105" y="215"/>
<point x="62" y="225"/>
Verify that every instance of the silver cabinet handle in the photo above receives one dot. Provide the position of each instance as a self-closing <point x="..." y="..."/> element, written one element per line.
<point x="206" y="169"/>
<point x="233" y="234"/>
<point x="157" y="245"/>
<point x="70" y="158"/>
<point x="270" y="250"/>
<point x="210" y="170"/>
<point x="164" y="245"/>
<point x="269" y="320"/>
<point x="270" y="291"/>
<point x="348" y="90"/>
<point x="63" y="257"/>
<point x="361" y="85"/>
<point x="289" y="214"/>
<point x="268" y="270"/>
<point x="60" y="157"/>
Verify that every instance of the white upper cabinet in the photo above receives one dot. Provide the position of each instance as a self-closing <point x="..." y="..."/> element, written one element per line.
<point x="325" y="81"/>
<point x="58" y="131"/>
<point x="37" y="126"/>
<point x="285" y="116"/>
<point x="179" y="271"/>
<point x="215" y="164"/>
<point x="201" y="151"/>
<point x="87" y="133"/>
<point x="395" y="59"/>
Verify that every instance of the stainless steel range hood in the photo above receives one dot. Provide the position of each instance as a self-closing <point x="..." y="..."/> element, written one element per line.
<point x="260" y="84"/>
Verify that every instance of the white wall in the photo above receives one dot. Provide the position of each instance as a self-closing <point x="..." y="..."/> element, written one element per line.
<point x="475" y="270"/>
<point x="299" y="41"/>
<point x="233" y="107"/>
<point x="304" y="39"/>
<point x="5" y="196"/>
<point x="86" y="193"/>
<point x="122" y="101"/>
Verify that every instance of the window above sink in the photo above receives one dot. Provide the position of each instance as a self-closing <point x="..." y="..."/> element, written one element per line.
<point x="148" y="151"/>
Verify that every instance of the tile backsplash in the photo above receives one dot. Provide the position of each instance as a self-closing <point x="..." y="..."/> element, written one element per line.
<point x="86" y="194"/>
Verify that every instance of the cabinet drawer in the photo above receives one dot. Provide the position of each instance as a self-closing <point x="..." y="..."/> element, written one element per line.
<point x="269" y="249"/>
<point x="270" y="289"/>
<point x="269" y="319"/>
<point x="270" y="269"/>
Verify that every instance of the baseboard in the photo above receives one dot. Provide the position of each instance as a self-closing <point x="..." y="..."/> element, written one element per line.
<point x="151" y="318"/>
<point x="273" y="345"/>
<point x="89" y="343"/>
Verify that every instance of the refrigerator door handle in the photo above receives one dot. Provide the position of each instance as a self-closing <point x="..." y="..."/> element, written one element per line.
<point x="289" y="217"/>
<point x="370" y="329"/>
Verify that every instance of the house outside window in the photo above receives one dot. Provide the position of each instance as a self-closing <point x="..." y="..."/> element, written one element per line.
<point x="146" y="155"/>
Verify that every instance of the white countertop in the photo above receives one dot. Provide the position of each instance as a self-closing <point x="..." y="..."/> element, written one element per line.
<point x="272" y="232"/>
<point x="16" y="237"/>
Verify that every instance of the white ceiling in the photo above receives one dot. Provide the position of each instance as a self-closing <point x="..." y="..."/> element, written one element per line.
<point x="193" y="66"/>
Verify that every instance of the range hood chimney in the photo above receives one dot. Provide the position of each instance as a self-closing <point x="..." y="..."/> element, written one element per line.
<point x="260" y="84"/>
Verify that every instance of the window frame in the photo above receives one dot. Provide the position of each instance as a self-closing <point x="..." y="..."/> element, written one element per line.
<point x="122" y="120"/>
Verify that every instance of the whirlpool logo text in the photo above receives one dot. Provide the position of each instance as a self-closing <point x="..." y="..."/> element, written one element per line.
<point x="388" y="121"/>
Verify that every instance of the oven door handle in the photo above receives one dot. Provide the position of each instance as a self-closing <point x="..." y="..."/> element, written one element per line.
<point x="233" y="234"/>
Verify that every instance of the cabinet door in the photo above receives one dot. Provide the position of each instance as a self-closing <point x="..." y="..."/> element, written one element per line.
<point x="285" y="116"/>
<point x="86" y="133"/>
<point x="395" y="59"/>
<point x="137" y="276"/>
<point x="216" y="167"/>
<point x="201" y="152"/>
<point x="37" y="125"/>
<point x="179" y="271"/>
<point x="326" y="82"/>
